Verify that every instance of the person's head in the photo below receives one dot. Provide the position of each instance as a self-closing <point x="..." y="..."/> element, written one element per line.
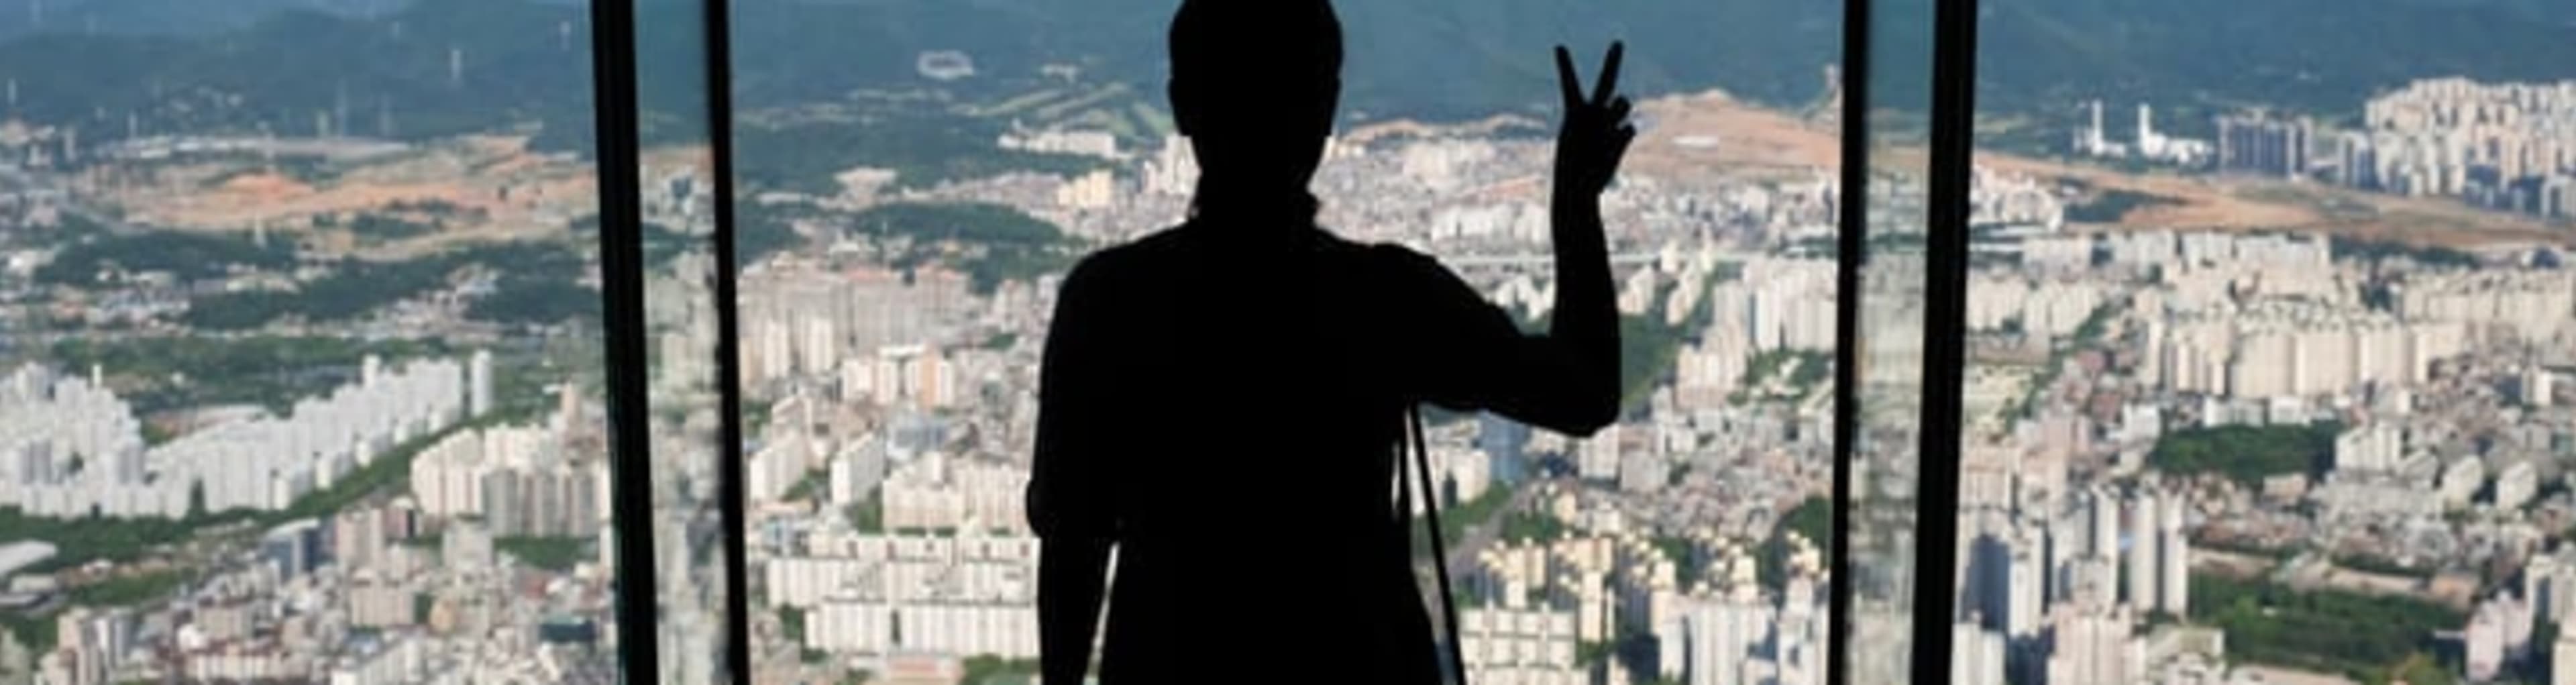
<point x="1254" y="85"/>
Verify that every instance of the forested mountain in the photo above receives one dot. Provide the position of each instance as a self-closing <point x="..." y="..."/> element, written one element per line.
<point x="370" y="70"/>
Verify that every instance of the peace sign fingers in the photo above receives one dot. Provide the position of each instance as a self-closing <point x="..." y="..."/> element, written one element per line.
<point x="1609" y="83"/>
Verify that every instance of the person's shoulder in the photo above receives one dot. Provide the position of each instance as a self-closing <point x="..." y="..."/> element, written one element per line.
<point x="1394" y="261"/>
<point x="1119" y="262"/>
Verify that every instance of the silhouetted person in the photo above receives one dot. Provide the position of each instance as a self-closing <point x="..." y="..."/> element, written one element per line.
<point x="1221" y="402"/>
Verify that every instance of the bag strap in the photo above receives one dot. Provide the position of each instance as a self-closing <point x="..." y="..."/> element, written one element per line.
<point x="1431" y="521"/>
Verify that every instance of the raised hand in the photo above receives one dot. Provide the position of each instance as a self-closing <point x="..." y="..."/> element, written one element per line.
<point x="1596" y="132"/>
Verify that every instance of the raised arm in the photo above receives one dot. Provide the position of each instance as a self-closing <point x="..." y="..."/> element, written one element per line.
<point x="1589" y="145"/>
<point x="1566" y="380"/>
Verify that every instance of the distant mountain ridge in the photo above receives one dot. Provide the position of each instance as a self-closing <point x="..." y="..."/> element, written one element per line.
<point x="526" y="60"/>
<point x="2196" y="57"/>
<point x="21" y="17"/>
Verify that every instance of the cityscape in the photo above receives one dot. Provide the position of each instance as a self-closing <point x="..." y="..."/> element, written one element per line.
<point x="305" y="383"/>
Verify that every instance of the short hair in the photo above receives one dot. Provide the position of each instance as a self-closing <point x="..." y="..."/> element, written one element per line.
<point x="1220" y="46"/>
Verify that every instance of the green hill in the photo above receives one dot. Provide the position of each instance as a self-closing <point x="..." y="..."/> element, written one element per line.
<point x="525" y="62"/>
<point x="2194" y="58"/>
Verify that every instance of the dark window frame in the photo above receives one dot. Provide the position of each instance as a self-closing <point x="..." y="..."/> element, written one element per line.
<point x="613" y="55"/>
<point x="621" y="272"/>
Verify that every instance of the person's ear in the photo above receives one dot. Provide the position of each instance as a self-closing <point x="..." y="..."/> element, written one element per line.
<point x="1185" y="107"/>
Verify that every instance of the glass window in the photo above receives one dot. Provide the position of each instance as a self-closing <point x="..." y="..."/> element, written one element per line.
<point x="300" y="366"/>
<point x="2266" y="331"/>
<point x="1885" y="467"/>
<point x="908" y="211"/>
<point x="682" y="325"/>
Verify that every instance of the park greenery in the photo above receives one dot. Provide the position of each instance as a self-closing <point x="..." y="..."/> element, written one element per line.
<point x="1531" y="527"/>
<point x="814" y="484"/>
<point x="1688" y="564"/>
<point x="2246" y="454"/>
<point x="374" y="228"/>
<point x="533" y="284"/>
<point x="2378" y="250"/>
<point x="2109" y="206"/>
<point x="1648" y="347"/>
<point x="2372" y="638"/>
<point x="868" y="514"/>
<point x="986" y="669"/>
<point x="184" y="255"/>
<point x="129" y="589"/>
<point x="1459" y="516"/>
<point x="1812" y="519"/>
<point x="1800" y="371"/>
<point x="991" y="243"/>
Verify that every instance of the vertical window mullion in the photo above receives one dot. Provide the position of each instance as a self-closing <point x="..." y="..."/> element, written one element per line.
<point x="729" y="483"/>
<point x="621" y="268"/>
<point x="1944" y="330"/>
<point x="1851" y="237"/>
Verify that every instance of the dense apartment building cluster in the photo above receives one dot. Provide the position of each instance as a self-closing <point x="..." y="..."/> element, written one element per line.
<point x="2435" y="388"/>
<point x="1533" y="602"/>
<point x="520" y="480"/>
<point x="1774" y="306"/>
<point x="889" y="476"/>
<point x="964" y="593"/>
<point x="2298" y="349"/>
<point x="2508" y="146"/>
<point x="812" y="317"/>
<point x="69" y="446"/>
<point x="411" y="587"/>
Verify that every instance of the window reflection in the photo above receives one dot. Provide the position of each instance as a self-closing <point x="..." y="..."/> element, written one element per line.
<point x="906" y="221"/>
<point x="2263" y="367"/>
<point x="299" y="345"/>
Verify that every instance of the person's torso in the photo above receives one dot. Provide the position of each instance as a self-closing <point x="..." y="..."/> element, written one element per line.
<point x="1257" y="465"/>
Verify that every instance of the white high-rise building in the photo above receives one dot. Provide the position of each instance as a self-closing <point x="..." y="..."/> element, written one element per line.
<point x="2173" y="549"/>
<point x="478" y="381"/>
<point x="2515" y="485"/>
<point x="2094" y="647"/>
<point x="1724" y="634"/>
<point x="2562" y="660"/>
<point x="2096" y="138"/>
<point x="2374" y="448"/>
<point x="2460" y="480"/>
<point x="2142" y="587"/>
<point x="2093" y="582"/>
<point x="1519" y="645"/>
<point x="2102" y="514"/>
<point x="1976" y="655"/>
<point x="2549" y="584"/>
<point x="2483" y="642"/>
<point x="2147" y="138"/>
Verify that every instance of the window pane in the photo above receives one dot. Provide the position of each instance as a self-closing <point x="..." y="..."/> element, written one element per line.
<point x="1886" y="466"/>
<point x="680" y="319"/>
<point x="300" y="327"/>
<point x="2265" y="329"/>
<point x="909" y="211"/>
